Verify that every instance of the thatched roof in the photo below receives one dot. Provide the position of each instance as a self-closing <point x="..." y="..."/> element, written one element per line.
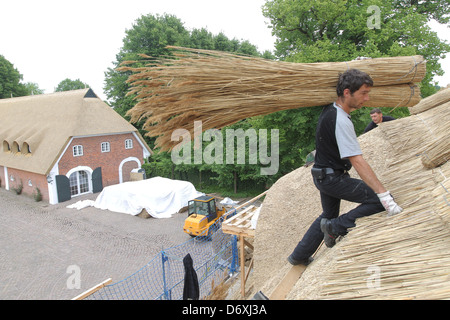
<point x="408" y="253"/>
<point x="41" y="126"/>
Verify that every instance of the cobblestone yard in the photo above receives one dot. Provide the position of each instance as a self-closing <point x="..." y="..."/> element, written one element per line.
<point x="44" y="248"/>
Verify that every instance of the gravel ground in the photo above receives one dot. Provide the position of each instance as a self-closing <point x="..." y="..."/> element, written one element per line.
<point x="43" y="247"/>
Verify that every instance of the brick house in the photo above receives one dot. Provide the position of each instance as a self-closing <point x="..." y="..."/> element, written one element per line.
<point x="66" y="144"/>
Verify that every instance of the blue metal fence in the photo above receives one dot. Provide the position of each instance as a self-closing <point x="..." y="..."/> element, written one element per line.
<point x="214" y="257"/>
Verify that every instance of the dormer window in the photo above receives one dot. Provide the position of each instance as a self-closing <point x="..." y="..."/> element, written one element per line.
<point x="6" y="146"/>
<point x="26" y="148"/>
<point x="15" y="147"/>
<point x="77" y="151"/>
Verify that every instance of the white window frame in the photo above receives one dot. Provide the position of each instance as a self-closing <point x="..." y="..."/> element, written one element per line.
<point x="77" y="150"/>
<point x="105" y="147"/>
<point x="129" y="144"/>
<point x="80" y="183"/>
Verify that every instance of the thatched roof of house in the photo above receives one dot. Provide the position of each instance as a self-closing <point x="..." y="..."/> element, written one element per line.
<point x="34" y="130"/>
<point x="406" y="256"/>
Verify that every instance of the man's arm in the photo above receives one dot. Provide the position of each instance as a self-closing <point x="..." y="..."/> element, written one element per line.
<point x="369" y="177"/>
<point x="366" y="173"/>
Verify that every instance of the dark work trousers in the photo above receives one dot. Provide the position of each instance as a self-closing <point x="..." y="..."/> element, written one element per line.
<point x="333" y="188"/>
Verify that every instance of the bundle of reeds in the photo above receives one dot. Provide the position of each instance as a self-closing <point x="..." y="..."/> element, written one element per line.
<point x="437" y="153"/>
<point x="441" y="97"/>
<point x="221" y="88"/>
<point x="437" y="150"/>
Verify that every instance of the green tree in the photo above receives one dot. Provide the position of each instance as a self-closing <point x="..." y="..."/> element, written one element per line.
<point x="33" y="89"/>
<point x="339" y="30"/>
<point x="10" y="80"/>
<point x="201" y="39"/>
<point x="68" y="84"/>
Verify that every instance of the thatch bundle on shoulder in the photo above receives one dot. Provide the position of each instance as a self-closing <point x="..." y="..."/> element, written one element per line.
<point x="221" y="88"/>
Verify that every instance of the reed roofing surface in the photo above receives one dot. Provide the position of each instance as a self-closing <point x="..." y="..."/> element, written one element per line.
<point x="406" y="256"/>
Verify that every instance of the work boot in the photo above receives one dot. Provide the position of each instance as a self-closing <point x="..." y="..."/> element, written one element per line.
<point x="328" y="236"/>
<point x="295" y="262"/>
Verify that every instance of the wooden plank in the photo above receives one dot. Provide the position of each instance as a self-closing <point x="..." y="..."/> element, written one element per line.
<point x="240" y="224"/>
<point x="238" y="231"/>
<point x="248" y="244"/>
<point x="247" y="224"/>
<point x="242" y="219"/>
<point x="238" y="215"/>
<point x="92" y="290"/>
<point x="250" y="266"/>
<point x="242" y="258"/>
<point x="288" y="282"/>
<point x="247" y="203"/>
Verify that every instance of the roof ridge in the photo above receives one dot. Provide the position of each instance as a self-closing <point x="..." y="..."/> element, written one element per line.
<point x="81" y="92"/>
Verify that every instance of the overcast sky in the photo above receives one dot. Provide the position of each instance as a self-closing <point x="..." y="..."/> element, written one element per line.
<point x="51" y="40"/>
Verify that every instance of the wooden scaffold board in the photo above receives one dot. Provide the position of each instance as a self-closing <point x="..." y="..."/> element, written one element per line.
<point x="240" y="225"/>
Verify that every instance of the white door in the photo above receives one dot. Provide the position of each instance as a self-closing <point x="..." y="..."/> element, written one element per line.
<point x="79" y="183"/>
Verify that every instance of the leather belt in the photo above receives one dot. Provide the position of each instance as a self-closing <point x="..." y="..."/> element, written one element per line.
<point x="332" y="171"/>
<point x="321" y="173"/>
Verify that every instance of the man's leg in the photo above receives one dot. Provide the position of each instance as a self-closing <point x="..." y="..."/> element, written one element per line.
<point x="353" y="190"/>
<point x="314" y="236"/>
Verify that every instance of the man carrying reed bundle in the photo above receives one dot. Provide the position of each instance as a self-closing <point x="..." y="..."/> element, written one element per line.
<point x="337" y="151"/>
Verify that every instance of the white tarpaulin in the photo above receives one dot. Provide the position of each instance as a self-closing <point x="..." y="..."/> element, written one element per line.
<point x="160" y="197"/>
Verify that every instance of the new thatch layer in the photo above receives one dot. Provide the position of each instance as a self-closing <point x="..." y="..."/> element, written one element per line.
<point x="221" y="88"/>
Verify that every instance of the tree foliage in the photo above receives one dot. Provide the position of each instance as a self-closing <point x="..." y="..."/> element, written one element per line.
<point x="68" y="84"/>
<point x="339" y="30"/>
<point x="10" y="80"/>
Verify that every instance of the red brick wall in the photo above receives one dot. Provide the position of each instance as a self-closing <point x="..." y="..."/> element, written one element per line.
<point x="110" y="161"/>
<point x="24" y="177"/>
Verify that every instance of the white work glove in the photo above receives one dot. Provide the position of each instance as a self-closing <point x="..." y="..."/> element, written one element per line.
<point x="389" y="204"/>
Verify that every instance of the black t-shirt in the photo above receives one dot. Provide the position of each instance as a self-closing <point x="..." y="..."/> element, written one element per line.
<point x="373" y="125"/>
<point x="335" y="139"/>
